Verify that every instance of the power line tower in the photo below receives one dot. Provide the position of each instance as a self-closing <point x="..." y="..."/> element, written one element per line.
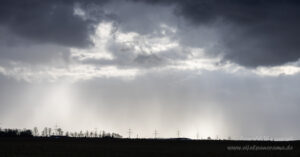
<point x="155" y="133"/>
<point x="129" y="133"/>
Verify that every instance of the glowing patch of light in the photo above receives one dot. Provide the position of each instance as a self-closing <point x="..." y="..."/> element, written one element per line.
<point x="73" y="73"/>
<point x="99" y="50"/>
<point x="167" y="28"/>
<point x="278" y="70"/>
<point x="2" y="70"/>
<point x="195" y="64"/>
<point x="206" y="129"/>
<point x="126" y="37"/>
<point x="79" y="12"/>
<point x="56" y="105"/>
<point x="145" y="44"/>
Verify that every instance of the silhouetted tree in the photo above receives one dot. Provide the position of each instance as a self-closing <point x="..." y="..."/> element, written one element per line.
<point x="75" y="134"/>
<point x="47" y="132"/>
<point x="15" y="133"/>
<point x="81" y="134"/>
<point x="67" y="134"/>
<point x="44" y="132"/>
<point x="26" y="133"/>
<point x="59" y="132"/>
<point x="115" y="135"/>
<point x="86" y="134"/>
<point x="103" y="134"/>
<point x="35" y="131"/>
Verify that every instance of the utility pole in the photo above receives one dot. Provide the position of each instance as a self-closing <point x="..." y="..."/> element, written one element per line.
<point x="155" y="133"/>
<point x="178" y="134"/>
<point x="129" y="133"/>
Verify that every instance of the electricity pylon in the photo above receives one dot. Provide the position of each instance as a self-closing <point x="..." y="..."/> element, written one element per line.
<point x="155" y="133"/>
<point x="129" y="133"/>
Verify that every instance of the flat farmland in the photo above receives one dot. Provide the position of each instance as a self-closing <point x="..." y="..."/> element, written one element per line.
<point x="97" y="147"/>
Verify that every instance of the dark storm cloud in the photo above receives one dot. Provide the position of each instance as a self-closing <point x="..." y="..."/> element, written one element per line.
<point x="254" y="32"/>
<point x="50" y="21"/>
<point x="148" y="60"/>
<point x="14" y="48"/>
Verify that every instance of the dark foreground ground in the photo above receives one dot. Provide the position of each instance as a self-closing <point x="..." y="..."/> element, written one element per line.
<point x="72" y="147"/>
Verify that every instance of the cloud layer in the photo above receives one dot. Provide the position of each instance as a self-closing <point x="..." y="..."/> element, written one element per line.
<point x="253" y="33"/>
<point x="249" y="33"/>
<point x="49" y="21"/>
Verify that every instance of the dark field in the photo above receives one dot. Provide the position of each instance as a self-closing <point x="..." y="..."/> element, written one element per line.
<point x="84" y="147"/>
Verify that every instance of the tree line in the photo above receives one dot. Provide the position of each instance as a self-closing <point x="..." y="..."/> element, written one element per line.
<point x="57" y="132"/>
<point x="15" y="133"/>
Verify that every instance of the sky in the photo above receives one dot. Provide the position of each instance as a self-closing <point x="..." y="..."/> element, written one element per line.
<point x="206" y="67"/>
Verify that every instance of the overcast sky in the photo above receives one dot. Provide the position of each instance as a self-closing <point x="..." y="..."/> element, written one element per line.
<point x="216" y="68"/>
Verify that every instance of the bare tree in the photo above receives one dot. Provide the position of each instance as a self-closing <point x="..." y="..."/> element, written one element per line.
<point x="35" y="131"/>
<point x="44" y="132"/>
<point x="103" y="134"/>
<point x="59" y="132"/>
<point x="75" y="134"/>
<point x="81" y="134"/>
<point x="67" y="134"/>
<point x="49" y="131"/>
<point x="115" y="135"/>
<point x="86" y="134"/>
